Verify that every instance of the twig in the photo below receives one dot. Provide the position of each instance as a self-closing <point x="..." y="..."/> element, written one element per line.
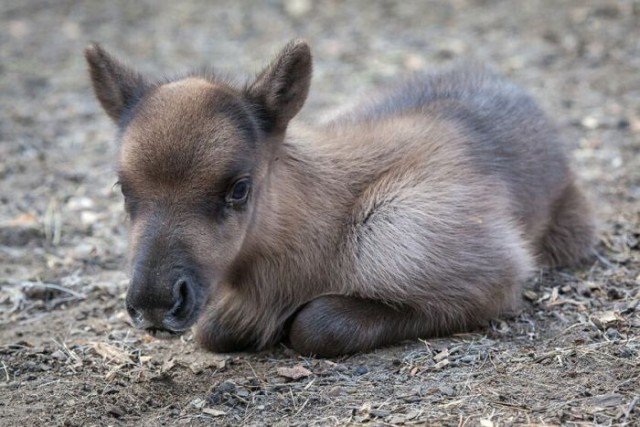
<point x="54" y="287"/>
<point x="301" y="408"/>
<point x="632" y="405"/>
<point x="578" y="304"/>
<point x="603" y="259"/>
<point x="6" y="372"/>
<point x="53" y="222"/>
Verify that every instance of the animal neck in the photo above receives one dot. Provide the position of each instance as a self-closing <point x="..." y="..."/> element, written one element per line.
<point x="300" y="209"/>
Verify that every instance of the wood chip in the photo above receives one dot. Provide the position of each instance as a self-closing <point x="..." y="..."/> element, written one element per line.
<point x="441" y="364"/>
<point x="295" y="373"/>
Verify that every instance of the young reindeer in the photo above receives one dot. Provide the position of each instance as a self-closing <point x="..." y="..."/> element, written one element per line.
<point x="418" y="213"/>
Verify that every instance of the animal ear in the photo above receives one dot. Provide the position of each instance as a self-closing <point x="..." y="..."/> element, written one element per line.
<point x="116" y="86"/>
<point x="282" y="87"/>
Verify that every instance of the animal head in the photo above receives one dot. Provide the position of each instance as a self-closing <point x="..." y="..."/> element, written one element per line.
<point x="194" y="156"/>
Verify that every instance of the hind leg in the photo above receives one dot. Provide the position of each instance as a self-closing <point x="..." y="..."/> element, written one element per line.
<point x="570" y="236"/>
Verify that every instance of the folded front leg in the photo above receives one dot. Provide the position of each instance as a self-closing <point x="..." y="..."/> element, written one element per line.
<point x="334" y="325"/>
<point x="221" y="335"/>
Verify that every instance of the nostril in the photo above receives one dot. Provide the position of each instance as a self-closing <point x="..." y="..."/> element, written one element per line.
<point x="183" y="297"/>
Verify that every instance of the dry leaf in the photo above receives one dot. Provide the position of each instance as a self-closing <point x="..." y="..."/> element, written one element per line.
<point x="606" y="318"/>
<point x="168" y="365"/>
<point x="111" y="353"/>
<point x="213" y="412"/>
<point x="198" y="362"/>
<point x="365" y="408"/>
<point x="441" y="356"/>
<point x="294" y="373"/>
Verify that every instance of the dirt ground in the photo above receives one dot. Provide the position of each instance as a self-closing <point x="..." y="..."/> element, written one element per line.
<point x="67" y="354"/>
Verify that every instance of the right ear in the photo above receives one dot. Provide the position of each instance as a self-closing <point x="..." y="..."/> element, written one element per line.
<point x="116" y="86"/>
<point x="282" y="87"/>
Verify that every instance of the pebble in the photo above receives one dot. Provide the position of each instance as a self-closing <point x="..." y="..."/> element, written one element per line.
<point x="613" y="334"/>
<point x="590" y="123"/>
<point x="361" y="370"/>
<point x="297" y="8"/>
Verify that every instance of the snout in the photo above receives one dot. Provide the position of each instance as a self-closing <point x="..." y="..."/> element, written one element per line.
<point x="164" y="311"/>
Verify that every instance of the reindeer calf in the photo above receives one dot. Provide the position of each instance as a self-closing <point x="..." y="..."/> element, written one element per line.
<point x="419" y="213"/>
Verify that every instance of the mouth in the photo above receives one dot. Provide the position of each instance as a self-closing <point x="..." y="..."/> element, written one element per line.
<point x="163" y="333"/>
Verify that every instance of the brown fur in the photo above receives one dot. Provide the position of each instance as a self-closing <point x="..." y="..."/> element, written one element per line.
<point x="420" y="212"/>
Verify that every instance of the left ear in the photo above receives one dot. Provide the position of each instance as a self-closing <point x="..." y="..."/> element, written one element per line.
<point x="116" y="86"/>
<point x="281" y="89"/>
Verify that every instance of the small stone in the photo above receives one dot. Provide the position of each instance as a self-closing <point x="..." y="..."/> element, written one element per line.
<point x="613" y="334"/>
<point x="531" y="296"/>
<point x="623" y="123"/>
<point x="361" y="370"/>
<point x="590" y="123"/>
<point x="379" y="413"/>
<point x="59" y="355"/>
<point x="80" y="203"/>
<point x="335" y="391"/>
<point x="89" y="217"/>
<point x="198" y="403"/>
<point x="115" y="411"/>
<point x="297" y="8"/>
<point x="222" y="393"/>
<point x="447" y="390"/>
<point x="227" y="387"/>
<point x="242" y="392"/>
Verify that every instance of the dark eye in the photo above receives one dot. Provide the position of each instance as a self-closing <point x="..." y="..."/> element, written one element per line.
<point x="130" y="204"/>
<point x="240" y="191"/>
